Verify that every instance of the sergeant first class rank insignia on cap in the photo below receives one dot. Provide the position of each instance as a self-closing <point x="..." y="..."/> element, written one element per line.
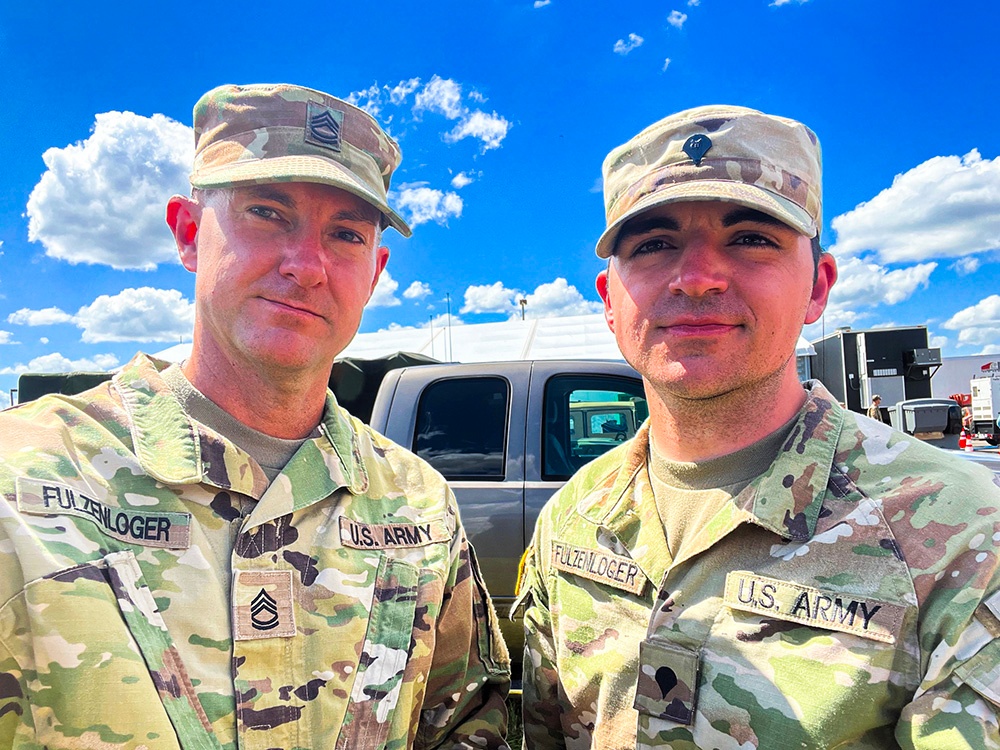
<point x="324" y="126"/>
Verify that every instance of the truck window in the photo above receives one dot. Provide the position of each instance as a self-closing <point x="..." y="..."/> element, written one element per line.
<point x="586" y="416"/>
<point x="462" y="427"/>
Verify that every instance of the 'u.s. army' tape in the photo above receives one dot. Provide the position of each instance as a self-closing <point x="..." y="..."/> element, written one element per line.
<point x="148" y="528"/>
<point x="361" y="535"/>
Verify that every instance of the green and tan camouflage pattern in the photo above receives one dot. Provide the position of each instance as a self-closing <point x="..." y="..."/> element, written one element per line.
<point x="266" y="133"/>
<point x="871" y="621"/>
<point x="772" y="164"/>
<point x="227" y="612"/>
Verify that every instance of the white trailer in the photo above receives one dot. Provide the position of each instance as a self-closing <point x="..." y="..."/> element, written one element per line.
<point x="986" y="408"/>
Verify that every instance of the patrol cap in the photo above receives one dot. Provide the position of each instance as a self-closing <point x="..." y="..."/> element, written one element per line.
<point x="265" y="133"/>
<point x="721" y="153"/>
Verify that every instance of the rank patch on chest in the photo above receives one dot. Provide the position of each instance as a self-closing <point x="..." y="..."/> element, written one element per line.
<point x="148" y="528"/>
<point x="784" y="600"/>
<point x="263" y="604"/>
<point x="360" y="535"/>
<point x="599" y="565"/>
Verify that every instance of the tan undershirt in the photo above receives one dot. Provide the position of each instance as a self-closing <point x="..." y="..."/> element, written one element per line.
<point x="270" y="453"/>
<point x="689" y="495"/>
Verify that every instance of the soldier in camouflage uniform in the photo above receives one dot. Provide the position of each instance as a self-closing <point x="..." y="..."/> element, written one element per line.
<point x="216" y="555"/>
<point x="758" y="567"/>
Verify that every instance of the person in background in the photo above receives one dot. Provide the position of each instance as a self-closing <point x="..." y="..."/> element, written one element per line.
<point x="875" y="410"/>
<point x="757" y="567"/>
<point x="216" y="555"/>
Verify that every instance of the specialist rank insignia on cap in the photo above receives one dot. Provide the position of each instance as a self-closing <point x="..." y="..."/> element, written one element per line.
<point x="696" y="147"/>
<point x="324" y="125"/>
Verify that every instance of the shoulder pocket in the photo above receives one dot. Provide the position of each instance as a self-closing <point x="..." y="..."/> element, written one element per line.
<point x="492" y="649"/>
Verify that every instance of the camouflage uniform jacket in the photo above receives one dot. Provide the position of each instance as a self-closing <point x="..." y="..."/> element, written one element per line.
<point x="847" y="598"/>
<point x="156" y="592"/>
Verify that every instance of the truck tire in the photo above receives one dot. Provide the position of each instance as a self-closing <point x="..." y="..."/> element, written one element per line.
<point x="993" y="439"/>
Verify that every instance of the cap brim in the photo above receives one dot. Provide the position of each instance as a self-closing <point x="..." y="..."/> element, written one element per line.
<point x="296" y="169"/>
<point x="739" y="193"/>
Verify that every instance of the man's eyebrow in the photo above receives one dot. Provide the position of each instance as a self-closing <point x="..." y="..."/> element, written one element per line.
<point x="271" y="193"/>
<point x="364" y="216"/>
<point x="637" y="227"/>
<point x="741" y="215"/>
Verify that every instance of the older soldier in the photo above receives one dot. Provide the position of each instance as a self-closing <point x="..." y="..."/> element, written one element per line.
<point x="757" y="568"/>
<point x="216" y="555"/>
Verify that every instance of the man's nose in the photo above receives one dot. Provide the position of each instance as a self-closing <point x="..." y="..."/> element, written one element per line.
<point x="701" y="268"/>
<point x="303" y="260"/>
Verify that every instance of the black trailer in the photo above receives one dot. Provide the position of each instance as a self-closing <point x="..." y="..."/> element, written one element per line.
<point x="894" y="363"/>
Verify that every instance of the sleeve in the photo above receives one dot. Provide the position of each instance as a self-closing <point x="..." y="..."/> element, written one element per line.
<point x="541" y="704"/>
<point x="14" y="708"/>
<point x="465" y="703"/>
<point x="958" y="706"/>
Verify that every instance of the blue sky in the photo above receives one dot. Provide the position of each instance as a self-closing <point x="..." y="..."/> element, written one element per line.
<point x="504" y="112"/>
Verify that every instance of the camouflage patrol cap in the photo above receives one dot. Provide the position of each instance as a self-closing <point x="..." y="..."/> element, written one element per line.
<point x="264" y="133"/>
<point x="721" y="153"/>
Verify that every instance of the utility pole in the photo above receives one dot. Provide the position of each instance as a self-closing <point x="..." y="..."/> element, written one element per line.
<point x="523" y="303"/>
<point x="450" y="353"/>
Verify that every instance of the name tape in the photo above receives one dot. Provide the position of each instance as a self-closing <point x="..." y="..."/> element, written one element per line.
<point x="360" y="535"/>
<point x="784" y="600"/>
<point x="599" y="565"/>
<point x="148" y="528"/>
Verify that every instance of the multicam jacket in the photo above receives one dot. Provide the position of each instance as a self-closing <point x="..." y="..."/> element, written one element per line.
<point x="847" y="598"/>
<point x="156" y="592"/>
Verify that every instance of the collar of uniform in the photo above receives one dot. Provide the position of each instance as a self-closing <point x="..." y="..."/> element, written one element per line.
<point x="788" y="497"/>
<point x="627" y="512"/>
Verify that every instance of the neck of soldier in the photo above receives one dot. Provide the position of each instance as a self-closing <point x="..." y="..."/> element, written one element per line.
<point x="279" y="402"/>
<point x="696" y="428"/>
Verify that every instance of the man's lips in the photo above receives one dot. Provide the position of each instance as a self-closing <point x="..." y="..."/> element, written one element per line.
<point x="292" y="307"/>
<point x="700" y="327"/>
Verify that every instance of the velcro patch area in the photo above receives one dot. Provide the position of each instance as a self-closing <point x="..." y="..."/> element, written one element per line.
<point x="599" y="565"/>
<point x="358" y="535"/>
<point x="148" y="528"/>
<point x="785" y="600"/>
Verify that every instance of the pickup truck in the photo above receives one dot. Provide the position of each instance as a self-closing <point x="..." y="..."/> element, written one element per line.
<point x="506" y="435"/>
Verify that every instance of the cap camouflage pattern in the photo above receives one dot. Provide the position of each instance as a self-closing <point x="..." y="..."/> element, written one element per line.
<point x="720" y="153"/>
<point x="157" y="592"/>
<point x="848" y="597"/>
<point x="263" y="133"/>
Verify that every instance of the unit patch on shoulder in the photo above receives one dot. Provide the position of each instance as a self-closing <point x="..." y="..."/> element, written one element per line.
<point x="262" y="604"/>
<point x="360" y="535"/>
<point x="599" y="565"/>
<point x="784" y="600"/>
<point x="148" y="528"/>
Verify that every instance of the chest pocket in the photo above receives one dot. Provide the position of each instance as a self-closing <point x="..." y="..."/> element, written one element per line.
<point x="98" y="662"/>
<point x="384" y="654"/>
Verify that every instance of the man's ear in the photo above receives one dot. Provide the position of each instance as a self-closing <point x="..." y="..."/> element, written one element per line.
<point x="381" y="258"/>
<point x="602" y="289"/>
<point x="183" y="217"/>
<point x="826" y="277"/>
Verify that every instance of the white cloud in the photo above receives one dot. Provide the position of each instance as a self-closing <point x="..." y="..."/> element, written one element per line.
<point x="56" y="362"/>
<point x="43" y="340"/>
<point x="417" y="290"/>
<point x="385" y="292"/>
<point x="965" y="266"/>
<point x="490" y="129"/>
<point x="666" y="64"/>
<point x="779" y="3"/>
<point x="4" y="399"/>
<point x="441" y="95"/>
<point x="5" y="337"/>
<point x="558" y="298"/>
<point x="862" y="285"/>
<point x="694" y="3"/>
<point x="947" y="207"/>
<point x="102" y="200"/>
<point x="978" y="324"/>
<point x="677" y="19"/>
<point x="490" y="298"/>
<point x="45" y="317"/>
<point x="143" y="314"/>
<point x="598" y="186"/>
<point x="399" y="92"/>
<point x="938" y="342"/>
<point x="369" y="99"/>
<point x="442" y="321"/>
<point x="623" y="47"/>
<point x="542" y="3"/>
<point x="423" y="204"/>
<point x="460" y="180"/>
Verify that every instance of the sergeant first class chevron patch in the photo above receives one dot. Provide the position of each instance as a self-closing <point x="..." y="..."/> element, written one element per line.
<point x="783" y="600"/>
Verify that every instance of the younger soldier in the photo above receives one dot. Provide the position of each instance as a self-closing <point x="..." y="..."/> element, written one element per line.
<point x="217" y="555"/>
<point x="757" y="568"/>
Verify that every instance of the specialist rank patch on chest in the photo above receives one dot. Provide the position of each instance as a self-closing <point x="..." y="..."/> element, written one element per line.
<point x="144" y="527"/>
<point x="785" y="600"/>
<point x="599" y="565"/>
